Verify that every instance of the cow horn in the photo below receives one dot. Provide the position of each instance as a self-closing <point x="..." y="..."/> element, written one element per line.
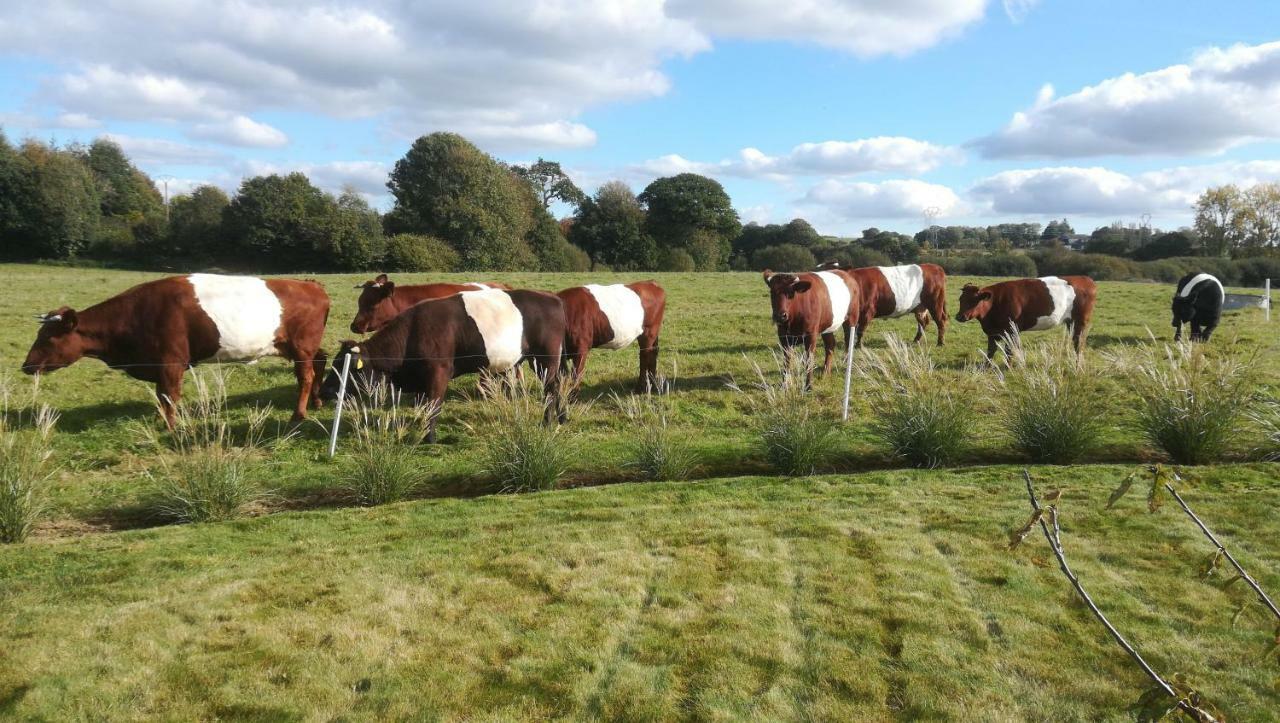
<point x="354" y="350"/>
<point x="46" y="318"/>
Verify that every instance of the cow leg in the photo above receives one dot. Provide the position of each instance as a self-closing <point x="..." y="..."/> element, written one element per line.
<point x="1177" y="331"/>
<point x="810" y="359"/>
<point x="648" y="363"/>
<point x="318" y="364"/>
<point x="922" y="321"/>
<point x="305" y="372"/>
<point x="438" y="376"/>
<point x="828" y="346"/>
<point x="1196" y="333"/>
<point x="1207" y="329"/>
<point x="991" y="348"/>
<point x="938" y="310"/>
<point x="169" y="392"/>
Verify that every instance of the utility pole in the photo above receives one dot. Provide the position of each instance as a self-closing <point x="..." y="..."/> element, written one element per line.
<point x="165" y="180"/>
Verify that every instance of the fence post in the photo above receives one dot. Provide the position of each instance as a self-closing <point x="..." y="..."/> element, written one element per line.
<point x="848" y="371"/>
<point x="337" y="409"/>
<point x="1266" y="298"/>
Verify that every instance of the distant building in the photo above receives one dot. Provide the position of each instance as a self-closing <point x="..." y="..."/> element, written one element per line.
<point x="1074" y="241"/>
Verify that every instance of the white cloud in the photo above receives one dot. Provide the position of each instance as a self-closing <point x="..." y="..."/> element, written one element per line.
<point x="1097" y="191"/>
<point x="883" y="200"/>
<point x="829" y="158"/>
<point x="508" y="74"/>
<point x="368" y="178"/>
<point x="240" y="131"/>
<point x="150" y="152"/>
<point x="1223" y="98"/>
<point x="1017" y="10"/>
<point x="862" y="27"/>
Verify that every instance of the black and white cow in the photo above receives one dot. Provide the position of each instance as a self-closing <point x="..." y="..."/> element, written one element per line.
<point x="1198" y="301"/>
<point x="491" y="330"/>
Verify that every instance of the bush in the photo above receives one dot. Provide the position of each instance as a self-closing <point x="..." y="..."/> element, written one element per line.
<point x="1190" y="404"/>
<point x="25" y="466"/>
<point x="795" y="432"/>
<point x="1015" y="265"/>
<point x="383" y="463"/>
<point x="1053" y="406"/>
<point x="415" y="252"/>
<point x="520" y="452"/>
<point x="855" y="256"/>
<point x="920" y="416"/>
<point x="206" y="472"/>
<point x="783" y="257"/>
<point x="1253" y="271"/>
<point x="675" y="260"/>
<point x="656" y="451"/>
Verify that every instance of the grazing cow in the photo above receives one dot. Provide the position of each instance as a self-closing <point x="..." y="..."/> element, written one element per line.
<point x="155" y="330"/>
<point x="612" y="317"/>
<point x="1198" y="300"/>
<point x="381" y="300"/>
<point x="490" y="330"/>
<point x="1030" y="305"/>
<point x="811" y="305"/>
<point x="892" y="291"/>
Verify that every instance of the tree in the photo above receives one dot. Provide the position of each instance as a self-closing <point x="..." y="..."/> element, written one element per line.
<point x="446" y="187"/>
<point x="195" y="222"/>
<point x="1165" y="246"/>
<point x="1057" y="229"/>
<point x="610" y="228"/>
<point x="279" y="222"/>
<point x="1261" y="216"/>
<point x="899" y="247"/>
<point x="691" y="212"/>
<point x="783" y="257"/>
<point x="355" y="234"/>
<point x="11" y="188"/>
<point x="1219" y="219"/>
<point x="550" y="183"/>
<point x="58" y="203"/>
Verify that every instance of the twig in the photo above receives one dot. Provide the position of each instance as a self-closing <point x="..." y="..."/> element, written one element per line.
<point x="1262" y="596"/>
<point x="1055" y="543"/>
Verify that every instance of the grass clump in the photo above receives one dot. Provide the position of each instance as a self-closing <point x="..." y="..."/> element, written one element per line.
<point x="654" y="450"/>
<point x="1267" y="417"/>
<point x="383" y="461"/>
<point x="208" y="470"/>
<point x="520" y="453"/>
<point x="1191" y="403"/>
<point x="25" y="463"/>
<point x="1053" y="407"/>
<point x="919" y="414"/>
<point x="795" y="430"/>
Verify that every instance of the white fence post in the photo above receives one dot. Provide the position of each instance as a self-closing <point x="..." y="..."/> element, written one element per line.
<point x="848" y="371"/>
<point x="337" y="410"/>
<point x="1266" y="298"/>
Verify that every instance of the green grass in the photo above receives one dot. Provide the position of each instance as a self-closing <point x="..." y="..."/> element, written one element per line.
<point x="866" y="593"/>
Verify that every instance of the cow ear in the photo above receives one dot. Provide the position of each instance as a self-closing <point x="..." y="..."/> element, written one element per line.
<point x="380" y="279"/>
<point x="800" y="286"/>
<point x="768" y="275"/>
<point x="983" y="295"/>
<point x="388" y="287"/>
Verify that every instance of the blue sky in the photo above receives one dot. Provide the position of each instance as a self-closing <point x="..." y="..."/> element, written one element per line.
<point x="852" y="114"/>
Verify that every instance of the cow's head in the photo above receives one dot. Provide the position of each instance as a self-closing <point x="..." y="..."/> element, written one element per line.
<point x="58" y="343"/>
<point x="784" y="292"/>
<point x="375" y="306"/>
<point x="1184" y="309"/>
<point x="359" y="375"/>
<point x="974" y="303"/>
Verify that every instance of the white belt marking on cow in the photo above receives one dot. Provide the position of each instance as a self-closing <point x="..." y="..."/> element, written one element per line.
<point x="478" y="285"/>
<point x="838" y="292"/>
<point x="245" y="312"/>
<point x="1185" y="291"/>
<point x="907" y="283"/>
<point x="500" y="323"/>
<point x="624" y="310"/>
<point x="1063" y="296"/>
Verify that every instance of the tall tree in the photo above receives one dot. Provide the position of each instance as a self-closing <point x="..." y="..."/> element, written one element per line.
<point x="280" y="222"/>
<point x="446" y="187"/>
<point x="610" y="228"/>
<point x="1261" y="216"/>
<point x="1220" y="220"/>
<point x="59" y="203"/>
<point x="550" y="183"/>
<point x="693" y="213"/>
<point x="195" y="223"/>
<point x="355" y="236"/>
<point x="11" y="188"/>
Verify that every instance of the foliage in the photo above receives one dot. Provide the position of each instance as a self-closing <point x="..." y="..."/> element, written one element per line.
<point x="1008" y="264"/>
<point x="898" y="247"/>
<point x="278" y="221"/>
<point x="676" y="260"/>
<point x="550" y="183"/>
<point x="691" y="212"/>
<point x="207" y="470"/>
<point x="852" y="255"/>
<point x="784" y="257"/>
<point x="25" y="462"/>
<point x="1190" y="402"/>
<point x="446" y="187"/>
<point x="609" y="227"/>
<point x="521" y="453"/>
<point x="383" y="463"/>
<point x="58" y="202"/>
<point x="415" y="252"/>
<point x="195" y="222"/>
<point x="795" y="431"/>
<point x="1267" y="417"/>
<point x="1164" y="246"/>
<point x="655" y="450"/>
<point x="355" y="238"/>
<point x="1054" y="408"/>
<point x="753" y="237"/>
<point x="554" y="252"/>
<point x="921" y="417"/>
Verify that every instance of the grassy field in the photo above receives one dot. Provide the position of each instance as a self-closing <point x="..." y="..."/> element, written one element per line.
<point x="865" y="592"/>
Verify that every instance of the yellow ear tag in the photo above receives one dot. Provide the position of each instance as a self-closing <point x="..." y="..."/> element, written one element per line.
<point x="359" y="363"/>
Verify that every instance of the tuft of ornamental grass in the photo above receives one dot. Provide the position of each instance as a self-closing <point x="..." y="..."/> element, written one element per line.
<point x="1053" y="408"/>
<point x="1267" y="417"/>
<point x="518" y="451"/>
<point x="1191" y="402"/>
<point x="654" y="450"/>
<point x="795" y="430"/>
<point x="26" y="463"/>
<point x="383" y="460"/>
<point x="919" y="413"/>
<point x="206" y="469"/>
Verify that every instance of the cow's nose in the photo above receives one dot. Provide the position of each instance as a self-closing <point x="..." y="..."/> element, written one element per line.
<point x="355" y="328"/>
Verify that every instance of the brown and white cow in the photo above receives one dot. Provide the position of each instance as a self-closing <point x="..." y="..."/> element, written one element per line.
<point x="892" y="291"/>
<point x="155" y="330"/>
<point x="612" y="317"/>
<point x="489" y="330"/>
<point x="810" y="305"/>
<point x="381" y="300"/>
<point x="1030" y="305"/>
